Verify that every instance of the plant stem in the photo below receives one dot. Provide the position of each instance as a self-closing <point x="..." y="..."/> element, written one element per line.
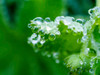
<point x="85" y="44"/>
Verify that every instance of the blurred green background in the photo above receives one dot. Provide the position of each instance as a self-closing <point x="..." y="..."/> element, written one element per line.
<point x="16" y="56"/>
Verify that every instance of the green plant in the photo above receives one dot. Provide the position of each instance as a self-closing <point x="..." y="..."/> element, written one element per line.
<point x="73" y="40"/>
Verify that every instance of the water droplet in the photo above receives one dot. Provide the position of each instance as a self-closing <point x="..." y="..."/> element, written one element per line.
<point x="42" y="42"/>
<point x="58" y="19"/>
<point x="29" y="26"/>
<point x="47" y="19"/>
<point x="48" y="28"/>
<point x="84" y="38"/>
<point x="92" y="52"/>
<point x="95" y="12"/>
<point x="35" y="38"/>
<point x="91" y="64"/>
<point x="81" y="62"/>
<point x="73" y="19"/>
<point x="91" y="11"/>
<point x="36" y="41"/>
<point x="58" y="32"/>
<point x="91" y="71"/>
<point x="34" y="35"/>
<point x="37" y="20"/>
<point x="52" y="37"/>
<point x="41" y="32"/>
<point x="88" y="49"/>
<point x="79" y="21"/>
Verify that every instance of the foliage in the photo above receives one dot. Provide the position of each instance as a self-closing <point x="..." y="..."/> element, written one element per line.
<point x="71" y="40"/>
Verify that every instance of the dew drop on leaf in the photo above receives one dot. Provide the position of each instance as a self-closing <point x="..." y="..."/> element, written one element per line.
<point x="91" y="11"/>
<point x="79" y="21"/>
<point x="29" y="25"/>
<point x="84" y="38"/>
<point x="34" y="35"/>
<point x="91" y="64"/>
<point x="47" y="19"/>
<point x="94" y="13"/>
<point x="87" y="51"/>
<point x="52" y="37"/>
<point x="41" y="32"/>
<point x="35" y="38"/>
<point x="73" y="19"/>
<point x="81" y="62"/>
<point x="91" y="71"/>
<point x="37" y="20"/>
<point x="58" y="19"/>
<point x="42" y="41"/>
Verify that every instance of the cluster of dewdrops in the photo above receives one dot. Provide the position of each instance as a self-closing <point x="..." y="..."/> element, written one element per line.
<point x="74" y="25"/>
<point x="44" y="30"/>
<point x="94" y="12"/>
<point x="94" y="15"/>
